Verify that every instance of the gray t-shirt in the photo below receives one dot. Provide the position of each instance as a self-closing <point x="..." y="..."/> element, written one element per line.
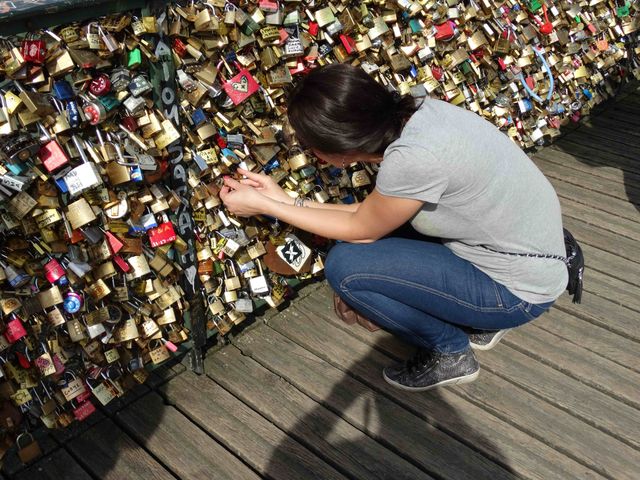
<point x="479" y="189"/>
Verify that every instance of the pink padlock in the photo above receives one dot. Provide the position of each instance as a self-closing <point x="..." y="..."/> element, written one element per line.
<point x="15" y="330"/>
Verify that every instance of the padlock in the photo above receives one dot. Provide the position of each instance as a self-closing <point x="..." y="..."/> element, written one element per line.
<point x="259" y="284"/>
<point x="215" y="305"/>
<point x="28" y="452"/>
<point x="83" y="177"/>
<point x="80" y="213"/>
<point x="84" y="410"/>
<point x="158" y="352"/>
<point x="76" y="330"/>
<point x="51" y="154"/>
<point x="127" y="331"/>
<point x="14" y="330"/>
<point x="71" y="389"/>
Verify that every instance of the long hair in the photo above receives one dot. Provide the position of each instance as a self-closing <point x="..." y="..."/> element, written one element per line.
<point x="339" y="108"/>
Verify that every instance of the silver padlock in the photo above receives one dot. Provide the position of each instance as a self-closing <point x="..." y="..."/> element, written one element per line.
<point x="243" y="304"/>
<point x="84" y="176"/>
<point x="259" y="284"/>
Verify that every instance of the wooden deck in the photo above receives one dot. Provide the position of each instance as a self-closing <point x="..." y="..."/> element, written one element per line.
<point x="301" y="396"/>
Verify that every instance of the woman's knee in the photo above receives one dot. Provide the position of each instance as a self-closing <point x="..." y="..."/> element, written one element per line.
<point x="340" y="263"/>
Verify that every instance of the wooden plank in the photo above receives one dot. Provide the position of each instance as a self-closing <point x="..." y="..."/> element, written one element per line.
<point x="393" y="426"/>
<point x="179" y="444"/>
<point x="59" y="465"/>
<point x="577" y="148"/>
<point x="613" y="124"/>
<point x="597" y="340"/>
<point x="597" y="162"/>
<point x="576" y="361"/>
<point x="615" y="290"/>
<point x="110" y="454"/>
<point x="618" y="116"/>
<point x="609" y="133"/>
<point x="588" y="166"/>
<point x="268" y="449"/>
<point x="589" y="181"/>
<point x="355" y="453"/>
<point x="603" y="239"/>
<point x="610" y="264"/>
<point x="631" y="109"/>
<point x="603" y="219"/>
<point x="611" y="147"/>
<point x="620" y="421"/>
<point x="604" y="313"/>
<point x="533" y="415"/>
<point x="497" y="439"/>
<point x="622" y="211"/>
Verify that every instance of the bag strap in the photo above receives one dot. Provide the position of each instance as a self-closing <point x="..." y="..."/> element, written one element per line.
<point x="565" y="260"/>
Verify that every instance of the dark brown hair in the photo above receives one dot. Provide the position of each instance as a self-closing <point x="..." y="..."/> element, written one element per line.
<point x="339" y="108"/>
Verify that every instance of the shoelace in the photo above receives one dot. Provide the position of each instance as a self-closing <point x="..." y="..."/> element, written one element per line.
<point x="419" y="359"/>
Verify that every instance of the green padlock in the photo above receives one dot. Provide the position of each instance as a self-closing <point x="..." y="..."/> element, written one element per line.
<point x="624" y="10"/>
<point x="109" y="102"/>
<point x="415" y="26"/>
<point x="135" y="58"/>
<point x="534" y="6"/>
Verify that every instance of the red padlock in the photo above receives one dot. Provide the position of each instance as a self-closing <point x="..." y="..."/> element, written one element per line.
<point x="95" y="112"/>
<point x="34" y="50"/>
<point x="122" y="264"/>
<point x="15" y="330"/>
<point x="84" y="410"/>
<point x="437" y="72"/>
<point x="23" y="360"/>
<point x="179" y="47"/>
<point x="51" y="153"/>
<point x="348" y="43"/>
<point x="53" y="271"/>
<point x="100" y="85"/>
<point x="115" y="244"/>
<point x="130" y="123"/>
<point x="162" y="234"/>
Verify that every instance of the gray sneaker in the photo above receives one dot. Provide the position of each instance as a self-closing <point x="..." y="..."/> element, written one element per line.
<point x="428" y="369"/>
<point x="486" y="340"/>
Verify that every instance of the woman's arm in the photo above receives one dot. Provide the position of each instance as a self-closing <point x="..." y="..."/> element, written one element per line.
<point x="343" y="207"/>
<point x="375" y="217"/>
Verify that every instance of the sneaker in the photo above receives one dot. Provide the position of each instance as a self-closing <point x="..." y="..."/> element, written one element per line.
<point x="486" y="340"/>
<point x="429" y="369"/>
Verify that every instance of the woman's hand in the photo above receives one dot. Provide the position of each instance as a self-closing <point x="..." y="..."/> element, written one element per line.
<point x="265" y="185"/>
<point x="242" y="199"/>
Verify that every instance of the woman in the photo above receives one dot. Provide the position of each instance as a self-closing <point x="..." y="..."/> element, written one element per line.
<point x="454" y="176"/>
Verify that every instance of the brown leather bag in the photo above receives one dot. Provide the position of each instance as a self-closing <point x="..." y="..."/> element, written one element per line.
<point x="350" y="316"/>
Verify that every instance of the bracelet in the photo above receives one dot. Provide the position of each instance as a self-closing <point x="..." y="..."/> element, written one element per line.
<point x="299" y="202"/>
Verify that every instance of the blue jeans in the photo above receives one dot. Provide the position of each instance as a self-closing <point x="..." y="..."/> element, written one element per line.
<point x="423" y="293"/>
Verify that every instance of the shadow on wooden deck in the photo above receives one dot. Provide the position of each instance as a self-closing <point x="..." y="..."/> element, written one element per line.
<point x="301" y="395"/>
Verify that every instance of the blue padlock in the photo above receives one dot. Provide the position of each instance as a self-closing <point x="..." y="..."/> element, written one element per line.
<point x="230" y="155"/>
<point x="198" y="117"/>
<point x="15" y="168"/>
<point x="348" y="199"/>
<point x="136" y="174"/>
<point x="136" y="229"/>
<point x="73" y="115"/>
<point x="58" y="178"/>
<point x="63" y="90"/>
<point x="587" y="94"/>
<point x="271" y="165"/>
